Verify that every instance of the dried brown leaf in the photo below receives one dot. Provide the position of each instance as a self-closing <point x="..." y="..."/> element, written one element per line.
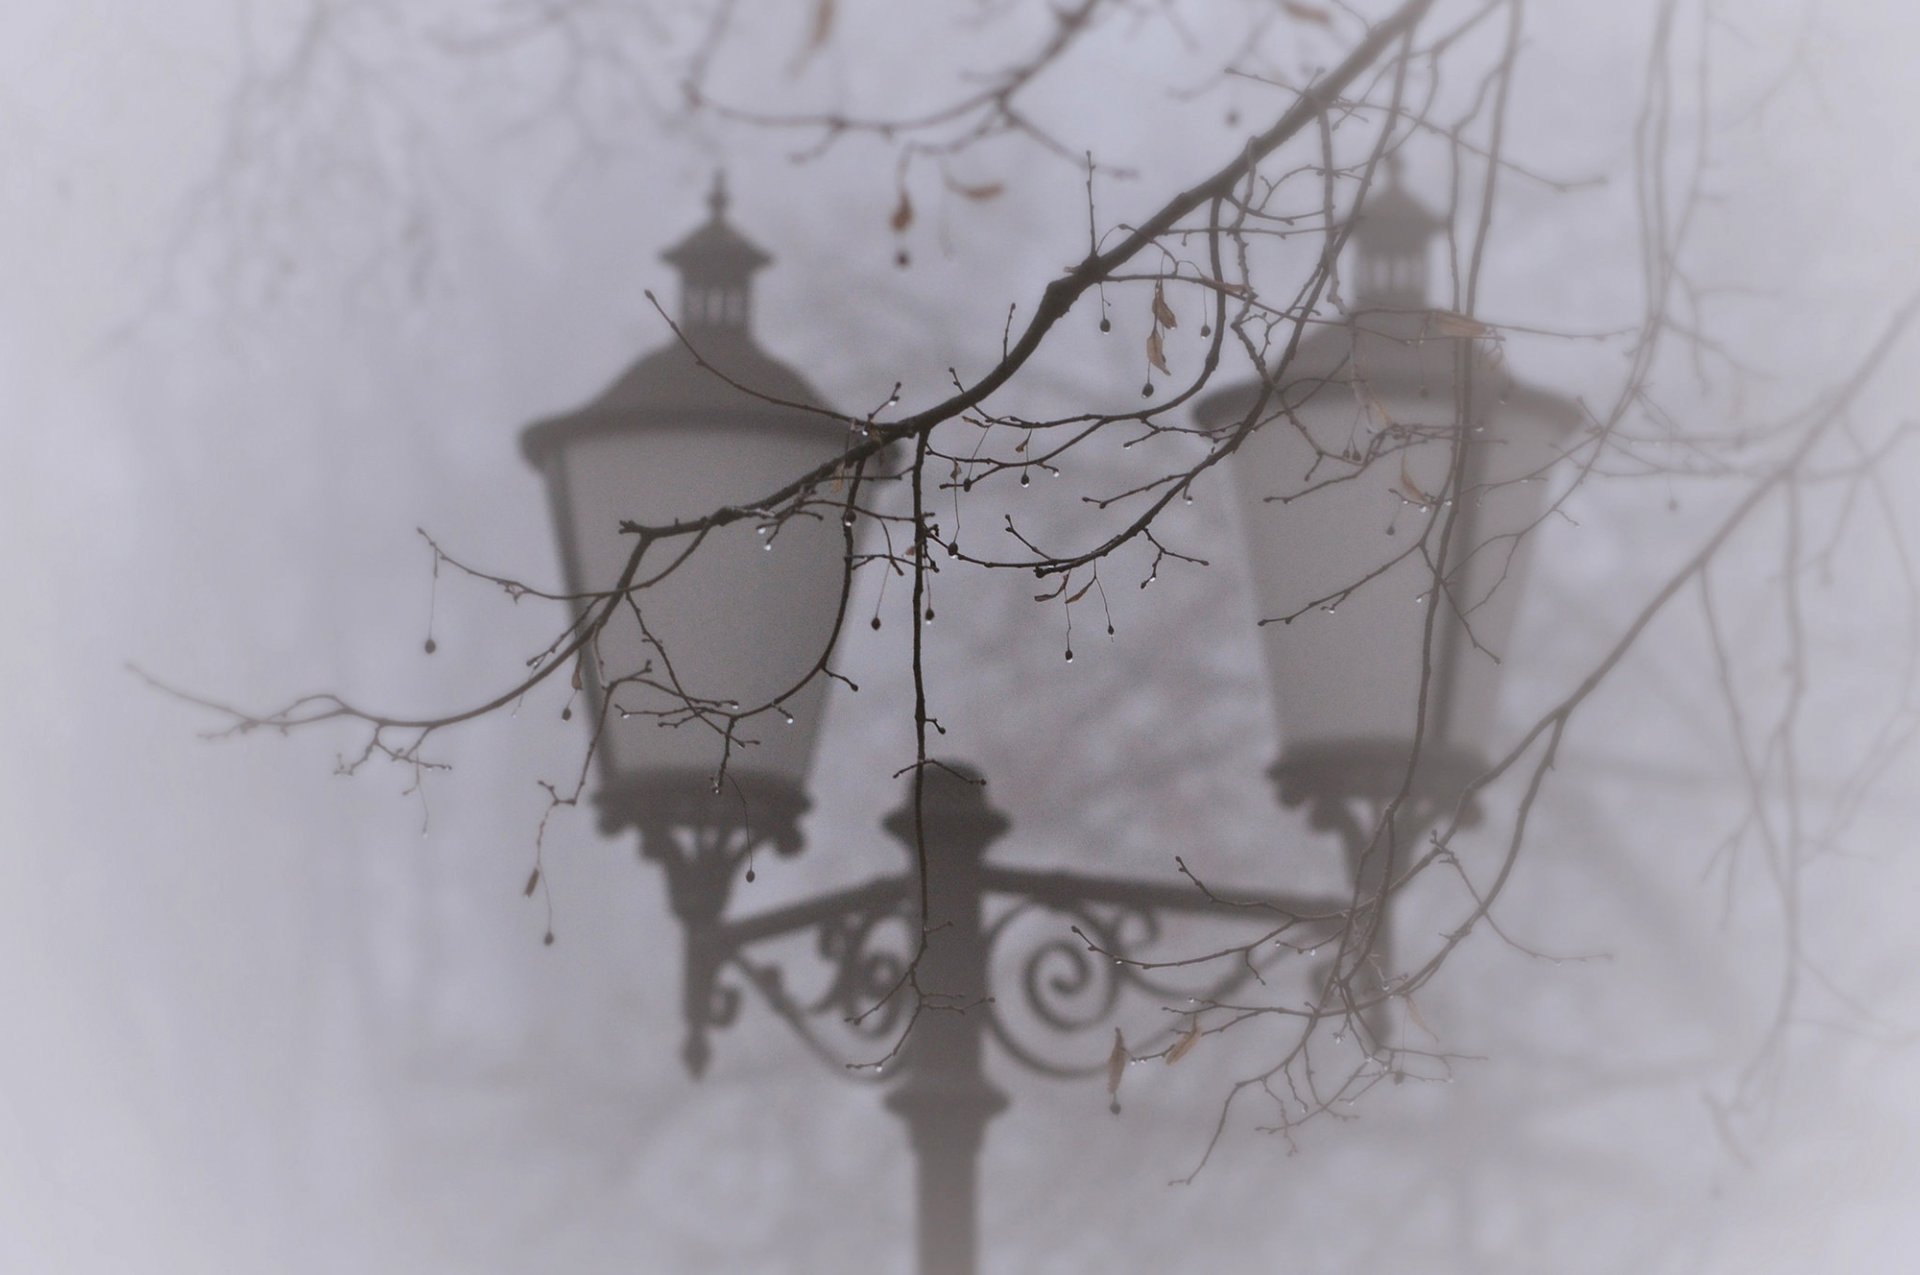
<point x="1413" y="1012"/>
<point x="533" y="883"/>
<point x="1156" y="352"/>
<point x="1447" y="323"/>
<point x="1184" y="1046"/>
<point x="1308" y="13"/>
<point x="822" y="27"/>
<point x="576" y="675"/>
<point x="902" y="213"/>
<point x="1116" y="1067"/>
<point x="1411" y="490"/>
<point x="1372" y="403"/>
<point x="1162" y="312"/>
<point x="1083" y="593"/>
<point x="982" y="191"/>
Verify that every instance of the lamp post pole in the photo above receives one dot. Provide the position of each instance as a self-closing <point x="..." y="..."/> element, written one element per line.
<point x="945" y="1096"/>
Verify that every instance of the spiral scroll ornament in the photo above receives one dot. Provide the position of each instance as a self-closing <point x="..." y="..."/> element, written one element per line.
<point x="1059" y="957"/>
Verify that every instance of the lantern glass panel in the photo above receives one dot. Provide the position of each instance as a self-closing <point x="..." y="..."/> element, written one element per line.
<point x="1341" y="493"/>
<point x="737" y="620"/>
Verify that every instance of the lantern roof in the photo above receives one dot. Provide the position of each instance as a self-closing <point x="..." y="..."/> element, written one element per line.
<point x="674" y="385"/>
<point x="716" y="252"/>
<point x="712" y="368"/>
<point x="1398" y="355"/>
<point x="1392" y="220"/>
<point x="672" y="378"/>
<point x="1393" y="342"/>
<point x="1392" y="240"/>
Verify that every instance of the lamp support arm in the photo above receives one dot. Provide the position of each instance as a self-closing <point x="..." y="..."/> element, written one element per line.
<point x="1067" y="888"/>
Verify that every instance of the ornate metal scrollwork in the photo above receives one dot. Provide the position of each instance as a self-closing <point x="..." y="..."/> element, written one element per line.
<point x="867" y="974"/>
<point x="701" y="836"/>
<point x="1069" y="984"/>
<point x="718" y="1007"/>
<point x="863" y="938"/>
<point x="701" y="833"/>
<point x="1071" y="946"/>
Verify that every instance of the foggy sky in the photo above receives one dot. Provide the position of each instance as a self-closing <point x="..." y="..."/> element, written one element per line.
<point x="267" y="1018"/>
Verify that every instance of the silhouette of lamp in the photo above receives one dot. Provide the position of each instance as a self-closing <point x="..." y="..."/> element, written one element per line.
<point x="1382" y="428"/>
<point x="741" y="621"/>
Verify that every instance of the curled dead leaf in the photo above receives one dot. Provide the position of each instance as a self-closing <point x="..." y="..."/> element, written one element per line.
<point x="1184" y="1046"/>
<point x="533" y="883"/>
<point x="822" y="24"/>
<point x="1411" y="490"/>
<point x="902" y="213"/>
<point x="1371" y="402"/>
<point x="1448" y="323"/>
<point x="982" y="191"/>
<point x="1308" y="13"/>
<point x="1116" y="1068"/>
<point x="1162" y="312"/>
<point x="576" y="675"/>
<point x="1156" y="352"/>
<point x="1413" y="1012"/>
<point x="1083" y="593"/>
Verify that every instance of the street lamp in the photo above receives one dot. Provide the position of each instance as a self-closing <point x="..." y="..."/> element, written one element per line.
<point x="675" y="437"/>
<point x="745" y="617"/>
<point x="1378" y="428"/>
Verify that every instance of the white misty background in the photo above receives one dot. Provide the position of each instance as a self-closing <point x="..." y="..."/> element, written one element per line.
<point x="265" y="1018"/>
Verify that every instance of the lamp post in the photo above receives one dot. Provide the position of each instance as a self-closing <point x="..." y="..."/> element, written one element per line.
<point x="671" y="439"/>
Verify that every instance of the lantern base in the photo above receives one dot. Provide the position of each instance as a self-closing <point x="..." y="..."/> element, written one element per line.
<point x="1328" y="779"/>
<point x="1348" y="787"/>
<point x="700" y="836"/>
<point x="763" y="807"/>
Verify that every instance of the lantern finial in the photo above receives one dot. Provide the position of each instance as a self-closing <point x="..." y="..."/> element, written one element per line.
<point x="1391" y="239"/>
<point x="716" y="265"/>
